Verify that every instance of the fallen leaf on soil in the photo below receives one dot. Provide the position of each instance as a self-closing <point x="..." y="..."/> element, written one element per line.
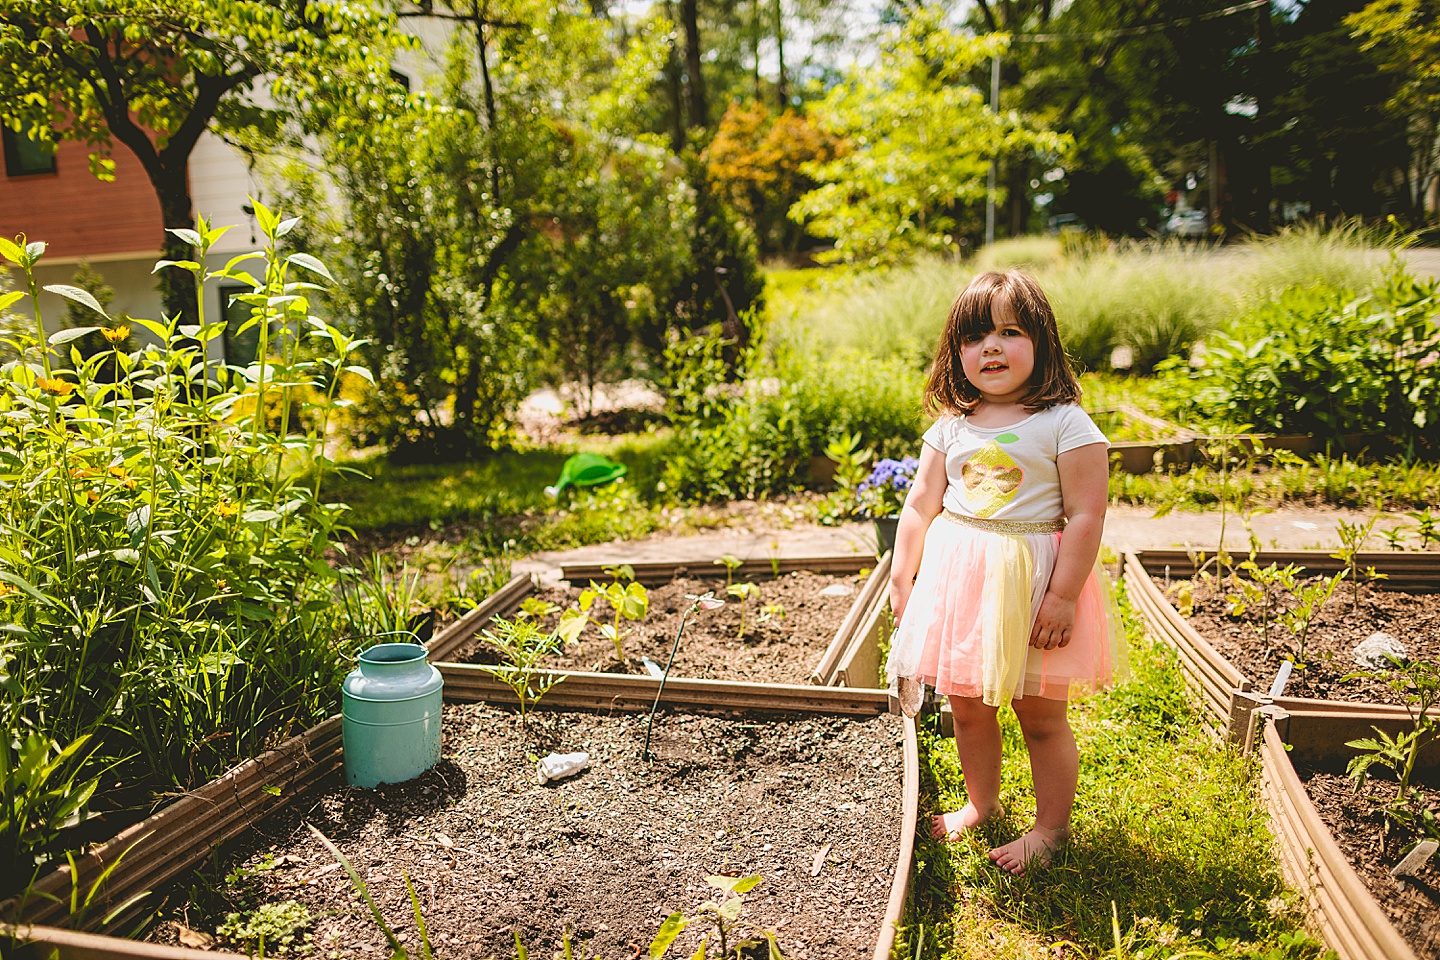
<point x="315" y="877"/>
<point x="819" y="861"/>
<point x="193" y="938"/>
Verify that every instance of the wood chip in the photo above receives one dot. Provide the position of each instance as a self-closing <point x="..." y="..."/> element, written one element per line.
<point x="195" y="939"/>
<point x="819" y="861"/>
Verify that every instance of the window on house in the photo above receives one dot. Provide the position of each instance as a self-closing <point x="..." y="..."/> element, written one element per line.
<point x="240" y="346"/>
<point x="24" y="156"/>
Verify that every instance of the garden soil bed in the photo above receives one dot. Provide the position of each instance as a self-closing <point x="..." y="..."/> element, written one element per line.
<point x="1411" y="618"/>
<point x="813" y="805"/>
<point x="784" y="648"/>
<point x="1357" y="822"/>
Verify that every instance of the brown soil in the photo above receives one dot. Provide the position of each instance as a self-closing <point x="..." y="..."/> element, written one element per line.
<point x="1413" y="619"/>
<point x="1358" y="824"/>
<point x="783" y="648"/>
<point x="812" y="805"/>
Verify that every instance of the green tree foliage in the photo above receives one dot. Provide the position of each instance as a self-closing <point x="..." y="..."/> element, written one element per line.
<point x="1404" y="36"/>
<point x="155" y="74"/>
<point x="917" y="145"/>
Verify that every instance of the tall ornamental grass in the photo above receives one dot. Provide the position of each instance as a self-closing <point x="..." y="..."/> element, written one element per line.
<point x="167" y="599"/>
<point x="1154" y="298"/>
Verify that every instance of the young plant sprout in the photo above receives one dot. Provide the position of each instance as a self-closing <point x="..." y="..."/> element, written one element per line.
<point x="1352" y="540"/>
<point x="628" y="601"/>
<point x="522" y="645"/>
<point x="731" y="564"/>
<point x="1418" y="682"/>
<point x="723" y="917"/>
<point x="704" y="601"/>
<point x="743" y="592"/>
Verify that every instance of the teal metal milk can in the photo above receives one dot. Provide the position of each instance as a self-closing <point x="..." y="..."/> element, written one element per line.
<point x="390" y="715"/>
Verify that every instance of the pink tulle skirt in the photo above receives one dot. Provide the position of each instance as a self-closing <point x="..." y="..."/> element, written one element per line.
<point x="966" y="628"/>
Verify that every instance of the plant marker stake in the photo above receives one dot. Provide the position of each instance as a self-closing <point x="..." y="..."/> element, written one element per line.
<point x="1282" y="677"/>
<point x="705" y="601"/>
<point x="1415" y="859"/>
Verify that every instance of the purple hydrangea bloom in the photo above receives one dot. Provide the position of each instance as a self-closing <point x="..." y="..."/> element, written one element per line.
<point x="882" y="493"/>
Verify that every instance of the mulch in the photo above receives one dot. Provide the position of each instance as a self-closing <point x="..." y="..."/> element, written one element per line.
<point x="1330" y="669"/>
<point x="811" y="804"/>
<point x="1374" y="844"/>
<point x="782" y="646"/>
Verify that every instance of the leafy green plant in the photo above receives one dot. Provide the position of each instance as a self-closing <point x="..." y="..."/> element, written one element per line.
<point x="270" y="928"/>
<point x="379" y="603"/>
<point x="731" y="563"/>
<point x="723" y="918"/>
<point x="523" y="645"/>
<point x="1418" y="683"/>
<point x="1310" y="598"/>
<point x="164" y="546"/>
<point x="40" y="795"/>
<point x="1352" y="541"/>
<point x="1427" y="526"/>
<point x="743" y="592"/>
<point x="628" y="601"/>
<point x="1261" y="590"/>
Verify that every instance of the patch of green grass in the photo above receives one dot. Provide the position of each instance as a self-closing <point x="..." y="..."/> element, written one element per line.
<point x="504" y="484"/>
<point x="1167" y="828"/>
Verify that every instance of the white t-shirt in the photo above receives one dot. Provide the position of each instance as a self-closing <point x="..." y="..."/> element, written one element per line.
<point x="1010" y="473"/>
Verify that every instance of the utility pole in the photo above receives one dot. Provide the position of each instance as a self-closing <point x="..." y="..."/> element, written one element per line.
<point x="994" y="163"/>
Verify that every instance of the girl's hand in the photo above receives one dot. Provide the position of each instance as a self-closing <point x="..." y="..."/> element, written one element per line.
<point x="1054" y="624"/>
<point x="899" y="598"/>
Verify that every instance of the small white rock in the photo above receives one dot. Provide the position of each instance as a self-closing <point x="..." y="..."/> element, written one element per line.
<point x="837" y="590"/>
<point x="1370" y="652"/>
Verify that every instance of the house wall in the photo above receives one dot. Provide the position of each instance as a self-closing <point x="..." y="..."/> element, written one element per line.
<point x="80" y="217"/>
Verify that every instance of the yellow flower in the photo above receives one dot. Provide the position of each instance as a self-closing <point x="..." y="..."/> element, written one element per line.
<point x="92" y="496"/>
<point x="60" y="388"/>
<point x="116" y="334"/>
<point x="226" y="509"/>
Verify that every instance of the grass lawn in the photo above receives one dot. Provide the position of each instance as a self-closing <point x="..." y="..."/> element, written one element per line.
<point x="1171" y="855"/>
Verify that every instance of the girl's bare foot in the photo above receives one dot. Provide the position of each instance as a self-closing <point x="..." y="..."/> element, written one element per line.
<point x="1032" y="850"/>
<point x="949" y="826"/>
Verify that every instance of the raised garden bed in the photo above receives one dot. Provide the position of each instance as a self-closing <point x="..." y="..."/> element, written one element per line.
<point x="1230" y="671"/>
<point x="1140" y="442"/>
<point x="793" y="728"/>
<point x="1327" y="836"/>
<point x="821" y="626"/>
<point x="809" y="803"/>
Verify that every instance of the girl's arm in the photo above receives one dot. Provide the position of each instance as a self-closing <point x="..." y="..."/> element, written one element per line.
<point x="922" y="504"/>
<point x="1084" y="489"/>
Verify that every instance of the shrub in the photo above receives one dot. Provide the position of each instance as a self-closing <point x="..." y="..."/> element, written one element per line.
<point x="166" y="591"/>
<point x="1324" y="361"/>
<point x="755" y="437"/>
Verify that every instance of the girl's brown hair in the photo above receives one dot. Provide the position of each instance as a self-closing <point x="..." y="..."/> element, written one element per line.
<point x="1051" y="383"/>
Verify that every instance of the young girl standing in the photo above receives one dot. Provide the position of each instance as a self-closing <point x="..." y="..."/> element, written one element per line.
<point x="994" y="582"/>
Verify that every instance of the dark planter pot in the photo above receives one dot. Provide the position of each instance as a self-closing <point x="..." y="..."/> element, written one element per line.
<point x="885" y="533"/>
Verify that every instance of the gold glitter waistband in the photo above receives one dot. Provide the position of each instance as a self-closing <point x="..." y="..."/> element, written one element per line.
<point x="1018" y="528"/>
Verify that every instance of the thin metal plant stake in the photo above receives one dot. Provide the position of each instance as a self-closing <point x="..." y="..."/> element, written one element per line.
<point x="696" y="603"/>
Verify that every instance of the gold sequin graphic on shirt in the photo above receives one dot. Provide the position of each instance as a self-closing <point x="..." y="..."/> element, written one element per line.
<point x="990" y="478"/>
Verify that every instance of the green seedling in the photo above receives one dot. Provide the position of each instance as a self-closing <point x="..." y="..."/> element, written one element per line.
<point x="743" y="592"/>
<point x="723" y="917"/>
<point x="775" y="558"/>
<point x="771" y="611"/>
<point x="731" y="563"/>
<point x="537" y="609"/>
<point x="1418" y="682"/>
<point x="522" y="645"/>
<point x="1309" y="600"/>
<point x="1352" y="539"/>
<point x="628" y="601"/>
<point x="1395" y="536"/>
<point x="620" y="572"/>
<point x="1260" y="591"/>
<point x="1427" y="526"/>
<point x="269" y="928"/>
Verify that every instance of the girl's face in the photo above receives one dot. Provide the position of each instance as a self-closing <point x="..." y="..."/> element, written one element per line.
<point x="999" y="361"/>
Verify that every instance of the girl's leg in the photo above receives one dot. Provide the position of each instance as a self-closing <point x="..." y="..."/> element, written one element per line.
<point x="977" y="741"/>
<point x="1055" y="768"/>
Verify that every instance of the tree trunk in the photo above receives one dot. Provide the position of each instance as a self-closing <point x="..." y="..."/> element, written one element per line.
<point x="673" y="82"/>
<point x="690" y="21"/>
<point x="781" y="93"/>
<point x="177" y="286"/>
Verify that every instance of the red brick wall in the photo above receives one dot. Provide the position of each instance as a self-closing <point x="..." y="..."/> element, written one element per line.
<point x="79" y="216"/>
